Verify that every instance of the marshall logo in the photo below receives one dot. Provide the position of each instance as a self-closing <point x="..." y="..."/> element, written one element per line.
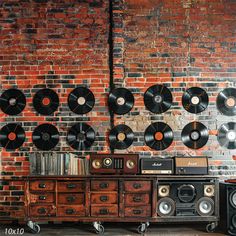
<point x="156" y="164"/>
<point x="192" y="163"/>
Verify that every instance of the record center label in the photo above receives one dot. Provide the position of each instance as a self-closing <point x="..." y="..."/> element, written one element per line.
<point x="46" y="101"/>
<point x="230" y="102"/>
<point x="12" y="101"/>
<point x="11" y="136"/>
<point x="195" y="100"/>
<point x="120" y="101"/>
<point x="81" y="101"/>
<point x="159" y="136"/>
<point x="231" y="135"/>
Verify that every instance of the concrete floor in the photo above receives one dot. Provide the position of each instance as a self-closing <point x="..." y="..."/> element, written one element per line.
<point x="125" y="229"/>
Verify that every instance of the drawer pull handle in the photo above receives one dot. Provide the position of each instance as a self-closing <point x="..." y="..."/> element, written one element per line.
<point x="103" y="198"/>
<point x="70" y="199"/>
<point x="42" y="211"/>
<point x="71" y="185"/>
<point x="70" y="211"/>
<point x="137" y="199"/>
<point x="42" y="185"/>
<point x="137" y="212"/>
<point x="42" y="197"/>
<point x="137" y="186"/>
<point x="104" y="185"/>
<point x="104" y="211"/>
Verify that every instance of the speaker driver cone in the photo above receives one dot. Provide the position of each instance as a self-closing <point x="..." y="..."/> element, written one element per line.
<point x="232" y="199"/>
<point x="12" y="102"/>
<point x="158" y="99"/>
<point x="165" y="207"/>
<point x="205" y="206"/>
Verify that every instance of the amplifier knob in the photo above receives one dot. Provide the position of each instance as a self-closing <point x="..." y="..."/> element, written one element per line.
<point x="130" y="164"/>
<point x="96" y="164"/>
<point x="107" y="161"/>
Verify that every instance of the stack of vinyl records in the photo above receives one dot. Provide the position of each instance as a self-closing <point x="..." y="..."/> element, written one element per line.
<point x="58" y="164"/>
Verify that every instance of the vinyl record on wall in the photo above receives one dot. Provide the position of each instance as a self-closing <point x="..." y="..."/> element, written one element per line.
<point x="81" y="100"/>
<point x="121" y="137"/>
<point x="12" y="136"/>
<point x="195" y="135"/>
<point x="46" y="101"/>
<point x="158" y="136"/>
<point x="45" y="137"/>
<point x="226" y="102"/>
<point x="227" y="135"/>
<point x="120" y="101"/>
<point x="195" y="100"/>
<point x="158" y="99"/>
<point x="81" y="136"/>
<point x="12" y="101"/>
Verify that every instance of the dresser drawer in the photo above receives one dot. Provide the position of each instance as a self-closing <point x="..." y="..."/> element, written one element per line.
<point x="42" y="198"/>
<point x="75" y="198"/>
<point x="104" y="185"/>
<point x="71" y="211"/>
<point x="137" y="186"/>
<point x="46" y="185"/>
<point x="137" y="199"/>
<point x="141" y="211"/>
<point x="42" y="210"/>
<point x="103" y="198"/>
<point x="71" y="186"/>
<point x="104" y="211"/>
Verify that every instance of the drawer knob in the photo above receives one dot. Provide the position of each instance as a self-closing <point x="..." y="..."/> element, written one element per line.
<point x="104" y="185"/>
<point x="137" y="212"/>
<point x="70" y="199"/>
<point x="137" y="186"/>
<point x="137" y="199"/>
<point x="42" y="211"/>
<point x="42" y="197"/>
<point x="104" y="211"/>
<point x="42" y="185"/>
<point x="103" y="198"/>
<point x="71" y="185"/>
<point x="70" y="211"/>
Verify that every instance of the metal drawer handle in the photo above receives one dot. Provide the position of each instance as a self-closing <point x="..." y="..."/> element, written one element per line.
<point x="42" y="197"/>
<point x="137" y="212"/>
<point x="42" y="185"/>
<point x="104" y="211"/>
<point x="42" y="211"/>
<point x="70" y="211"/>
<point x="103" y="198"/>
<point x="137" y="199"/>
<point x="71" y="185"/>
<point x="137" y="186"/>
<point x="104" y="185"/>
<point x="70" y="199"/>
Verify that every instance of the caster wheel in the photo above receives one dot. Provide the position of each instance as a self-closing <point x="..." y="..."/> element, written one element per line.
<point x="142" y="229"/>
<point x="35" y="229"/>
<point x="100" y="229"/>
<point x="210" y="228"/>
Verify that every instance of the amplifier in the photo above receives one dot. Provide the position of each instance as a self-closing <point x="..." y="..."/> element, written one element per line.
<point x="114" y="163"/>
<point x="197" y="165"/>
<point x="157" y="166"/>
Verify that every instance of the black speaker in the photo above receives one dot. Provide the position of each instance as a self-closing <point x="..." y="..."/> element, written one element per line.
<point x="186" y="198"/>
<point x="228" y="208"/>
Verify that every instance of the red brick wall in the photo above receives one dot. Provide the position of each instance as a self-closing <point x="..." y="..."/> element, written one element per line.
<point x="55" y="44"/>
<point x="180" y="44"/>
<point x="62" y="44"/>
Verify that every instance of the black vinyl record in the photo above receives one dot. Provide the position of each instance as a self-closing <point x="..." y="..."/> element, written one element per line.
<point x="158" y="136"/>
<point x="121" y="137"/>
<point x="226" y="102"/>
<point x="81" y="136"/>
<point x="195" y="100"/>
<point x="120" y="101"/>
<point x="12" y="136"/>
<point x="158" y="99"/>
<point x="227" y="135"/>
<point x="46" y="101"/>
<point x="195" y="135"/>
<point x="81" y="100"/>
<point x="45" y="137"/>
<point x="12" y="101"/>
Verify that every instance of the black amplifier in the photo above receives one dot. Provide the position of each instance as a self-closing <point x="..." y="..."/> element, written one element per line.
<point x="197" y="165"/>
<point x="157" y="166"/>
